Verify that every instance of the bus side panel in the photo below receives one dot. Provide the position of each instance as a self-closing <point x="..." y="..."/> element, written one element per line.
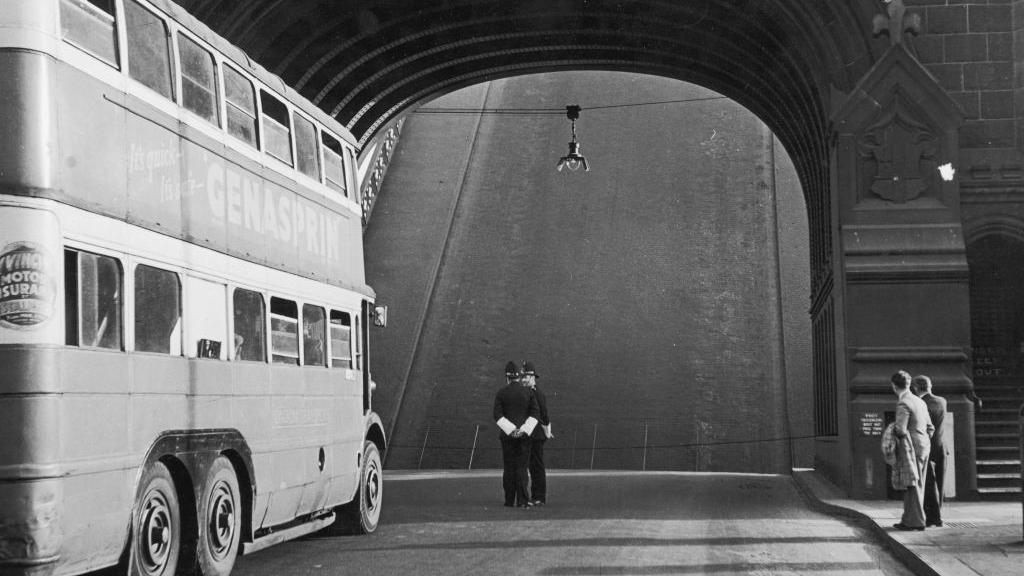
<point x="99" y="423"/>
<point x="155" y="186"/>
<point x="346" y="425"/>
<point x="251" y="413"/>
<point x="92" y="163"/>
<point x="27" y="114"/>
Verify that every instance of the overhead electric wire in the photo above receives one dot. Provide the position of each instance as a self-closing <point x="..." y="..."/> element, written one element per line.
<point x="554" y="111"/>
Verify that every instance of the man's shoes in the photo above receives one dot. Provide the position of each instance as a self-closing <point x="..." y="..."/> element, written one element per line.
<point x="904" y="527"/>
<point x="536" y="502"/>
<point x="937" y="523"/>
<point x="526" y="505"/>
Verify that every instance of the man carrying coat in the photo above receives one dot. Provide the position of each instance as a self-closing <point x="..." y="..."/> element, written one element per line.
<point x="913" y="428"/>
<point x="515" y="412"/>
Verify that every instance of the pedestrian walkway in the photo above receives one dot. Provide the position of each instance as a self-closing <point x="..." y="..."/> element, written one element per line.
<point x="977" y="539"/>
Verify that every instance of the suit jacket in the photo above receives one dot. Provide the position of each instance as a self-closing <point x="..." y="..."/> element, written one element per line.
<point x="542" y="419"/>
<point x="937" y="412"/>
<point x="913" y="422"/>
<point x="516" y="403"/>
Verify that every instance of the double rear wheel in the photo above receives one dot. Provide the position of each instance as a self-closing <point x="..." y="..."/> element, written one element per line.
<point x="157" y="535"/>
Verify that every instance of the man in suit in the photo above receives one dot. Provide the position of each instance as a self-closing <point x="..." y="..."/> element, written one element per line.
<point x="538" y="473"/>
<point x="515" y="413"/>
<point x="913" y="426"/>
<point x="935" y="472"/>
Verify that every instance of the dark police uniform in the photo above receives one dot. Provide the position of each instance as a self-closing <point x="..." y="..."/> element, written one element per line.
<point x="514" y="406"/>
<point x="538" y="472"/>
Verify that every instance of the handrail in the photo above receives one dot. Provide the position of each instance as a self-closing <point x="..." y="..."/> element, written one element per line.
<point x="371" y="187"/>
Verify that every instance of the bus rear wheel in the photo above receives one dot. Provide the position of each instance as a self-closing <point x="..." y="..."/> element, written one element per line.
<point x="156" y="525"/>
<point x="361" y="515"/>
<point x="220" y="514"/>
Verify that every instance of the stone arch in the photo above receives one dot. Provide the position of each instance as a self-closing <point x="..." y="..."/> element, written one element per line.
<point x="816" y="73"/>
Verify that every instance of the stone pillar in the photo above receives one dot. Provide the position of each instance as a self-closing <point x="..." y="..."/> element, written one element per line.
<point x="901" y="269"/>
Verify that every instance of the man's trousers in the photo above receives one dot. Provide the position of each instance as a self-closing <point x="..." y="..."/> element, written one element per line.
<point x="515" y="456"/>
<point x="538" y="474"/>
<point x="935" y="474"/>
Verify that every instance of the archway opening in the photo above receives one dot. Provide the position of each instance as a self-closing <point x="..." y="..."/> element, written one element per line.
<point x="663" y="295"/>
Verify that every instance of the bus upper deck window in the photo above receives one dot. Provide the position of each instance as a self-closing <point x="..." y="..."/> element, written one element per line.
<point x="305" y="147"/>
<point x="89" y="24"/>
<point x="198" y="80"/>
<point x="250" y="326"/>
<point x="341" y="339"/>
<point x="314" y="345"/>
<point x="277" y="133"/>
<point x="334" y="164"/>
<point x="93" y="300"/>
<point x="241" y="101"/>
<point x="149" y="56"/>
<point x="157" y="311"/>
<point x="284" y="331"/>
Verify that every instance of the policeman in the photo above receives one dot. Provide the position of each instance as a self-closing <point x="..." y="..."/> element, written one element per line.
<point x="538" y="473"/>
<point x="515" y="413"/>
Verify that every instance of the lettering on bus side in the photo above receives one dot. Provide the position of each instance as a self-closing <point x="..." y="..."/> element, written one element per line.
<point x="27" y="285"/>
<point x="234" y="197"/>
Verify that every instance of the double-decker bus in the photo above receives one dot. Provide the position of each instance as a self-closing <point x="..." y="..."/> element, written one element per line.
<point x="184" y="319"/>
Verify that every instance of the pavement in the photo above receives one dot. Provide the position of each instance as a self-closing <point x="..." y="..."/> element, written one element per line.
<point x="977" y="539"/>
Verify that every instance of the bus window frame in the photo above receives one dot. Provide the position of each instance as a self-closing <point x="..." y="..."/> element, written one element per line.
<point x="130" y="334"/>
<point x="189" y="330"/>
<point x="324" y="332"/>
<point x="317" y="156"/>
<point x="220" y="99"/>
<point x="118" y="27"/>
<point x="120" y="259"/>
<point x="263" y="89"/>
<point x="265" y="301"/>
<point x="350" y="365"/>
<point x="257" y="144"/>
<point x="298" y="329"/>
<point x="169" y="27"/>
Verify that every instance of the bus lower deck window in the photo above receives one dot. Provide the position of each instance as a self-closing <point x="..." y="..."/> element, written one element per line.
<point x="206" y="318"/>
<point x="314" y="346"/>
<point x="341" y="339"/>
<point x="93" y="300"/>
<point x="284" y="331"/>
<point x="250" y="326"/>
<point x="157" y="311"/>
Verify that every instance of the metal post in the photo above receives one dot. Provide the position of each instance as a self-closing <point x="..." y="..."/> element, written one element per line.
<point x="572" y="459"/>
<point x="424" y="448"/>
<point x="593" y="448"/>
<point x="645" y="447"/>
<point x="1022" y="467"/>
<point x="473" y="451"/>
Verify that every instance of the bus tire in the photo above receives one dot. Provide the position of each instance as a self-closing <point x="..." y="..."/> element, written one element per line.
<point x="156" y="525"/>
<point x="361" y="515"/>
<point x="220" y="513"/>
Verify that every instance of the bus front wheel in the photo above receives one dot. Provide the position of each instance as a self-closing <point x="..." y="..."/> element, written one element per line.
<point x="220" y="514"/>
<point x="156" y="526"/>
<point x="362" y="514"/>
